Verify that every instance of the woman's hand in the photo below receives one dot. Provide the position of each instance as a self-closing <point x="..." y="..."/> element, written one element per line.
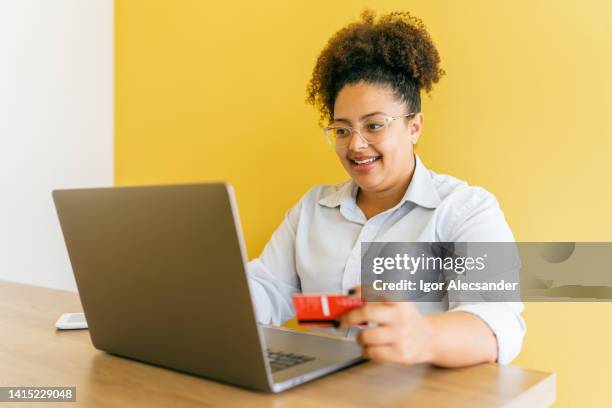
<point x="403" y="334"/>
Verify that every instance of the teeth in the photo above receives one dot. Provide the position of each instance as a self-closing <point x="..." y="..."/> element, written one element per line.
<point x="365" y="161"/>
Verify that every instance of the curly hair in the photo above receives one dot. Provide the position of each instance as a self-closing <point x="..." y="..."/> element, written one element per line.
<point x="396" y="51"/>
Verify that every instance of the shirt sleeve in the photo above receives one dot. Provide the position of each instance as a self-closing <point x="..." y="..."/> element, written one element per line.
<point x="273" y="277"/>
<point x="480" y="219"/>
<point x="505" y="321"/>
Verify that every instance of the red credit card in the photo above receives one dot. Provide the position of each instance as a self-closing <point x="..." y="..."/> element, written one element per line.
<point x="323" y="310"/>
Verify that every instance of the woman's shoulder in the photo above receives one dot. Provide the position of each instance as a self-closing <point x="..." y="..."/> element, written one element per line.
<point x="469" y="212"/>
<point x="459" y="193"/>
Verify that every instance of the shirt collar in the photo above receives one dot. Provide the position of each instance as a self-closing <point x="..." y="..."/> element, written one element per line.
<point x="421" y="190"/>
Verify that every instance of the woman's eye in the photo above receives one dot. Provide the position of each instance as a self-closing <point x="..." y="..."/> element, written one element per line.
<point x="342" y="132"/>
<point x="374" y="126"/>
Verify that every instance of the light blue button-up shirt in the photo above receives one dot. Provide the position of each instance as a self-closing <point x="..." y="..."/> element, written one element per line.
<point x="317" y="247"/>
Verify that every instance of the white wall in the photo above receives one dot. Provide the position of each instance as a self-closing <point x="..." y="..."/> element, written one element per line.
<point x="56" y="125"/>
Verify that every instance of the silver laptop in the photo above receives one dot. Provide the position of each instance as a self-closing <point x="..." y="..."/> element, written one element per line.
<point x="161" y="272"/>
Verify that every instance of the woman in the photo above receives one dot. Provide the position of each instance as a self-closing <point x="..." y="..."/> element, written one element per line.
<point x="367" y="84"/>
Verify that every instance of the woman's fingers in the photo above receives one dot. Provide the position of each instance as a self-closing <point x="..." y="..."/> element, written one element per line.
<point x="377" y="336"/>
<point x="382" y="353"/>
<point x="370" y="313"/>
<point x="402" y="335"/>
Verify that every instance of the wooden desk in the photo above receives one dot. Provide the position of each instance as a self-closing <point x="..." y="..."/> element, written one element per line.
<point x="33" y="353"/>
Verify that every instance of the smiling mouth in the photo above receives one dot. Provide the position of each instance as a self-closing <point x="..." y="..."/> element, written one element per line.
<point x="365" y="162"/>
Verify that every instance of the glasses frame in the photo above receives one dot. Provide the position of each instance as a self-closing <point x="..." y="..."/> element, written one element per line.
<point x="388" y="120"/>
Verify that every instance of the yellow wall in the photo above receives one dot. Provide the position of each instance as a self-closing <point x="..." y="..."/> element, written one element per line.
<point x="215" y="91"/>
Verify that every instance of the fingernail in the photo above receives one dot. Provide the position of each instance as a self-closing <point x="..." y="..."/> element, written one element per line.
<point x="352" y="291"/>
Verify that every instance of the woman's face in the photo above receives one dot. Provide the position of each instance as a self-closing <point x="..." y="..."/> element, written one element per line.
<point x="393" y="158"/>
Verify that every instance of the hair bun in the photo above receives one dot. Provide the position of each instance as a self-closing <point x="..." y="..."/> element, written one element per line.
<point x="396" y="42"/>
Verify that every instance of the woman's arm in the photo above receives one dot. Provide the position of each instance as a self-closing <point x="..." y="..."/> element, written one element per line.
<point x="404" y="335"/>
<point x="460" y="339"/>
<point x="272" y="276"/>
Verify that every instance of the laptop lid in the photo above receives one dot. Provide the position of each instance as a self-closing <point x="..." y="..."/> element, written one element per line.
<point x="161" y="275"/>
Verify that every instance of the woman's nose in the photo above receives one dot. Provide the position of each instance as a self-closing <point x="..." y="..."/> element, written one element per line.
<point x="357" y="141"/>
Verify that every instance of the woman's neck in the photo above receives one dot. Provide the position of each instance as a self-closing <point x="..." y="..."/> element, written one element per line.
<point x="373" y="203"/>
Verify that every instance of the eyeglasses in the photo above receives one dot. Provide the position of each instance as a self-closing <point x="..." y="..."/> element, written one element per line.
<point x="373" y="131"/>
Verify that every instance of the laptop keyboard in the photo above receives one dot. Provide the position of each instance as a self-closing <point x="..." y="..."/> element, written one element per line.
<point x="280" y="360"/>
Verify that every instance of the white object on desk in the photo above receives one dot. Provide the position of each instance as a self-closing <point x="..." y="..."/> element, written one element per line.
<point x="70" y="321"/>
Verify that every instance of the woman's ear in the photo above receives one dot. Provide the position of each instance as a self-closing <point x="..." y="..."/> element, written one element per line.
<point x="415" y="127"/>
